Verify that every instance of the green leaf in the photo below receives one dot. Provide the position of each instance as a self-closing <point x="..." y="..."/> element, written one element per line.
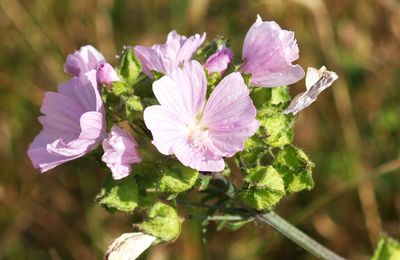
<point x="120" y="88"/>
<point x="177" y="178"/>
<point x="134" y="103"/>
<point x="279" y="129"/>
<point x="171" y="176"/>
<point x="129" y="67"/>
<point x="261" y="199"/>
<point x="209" y="48"/>
<point x="295" y="182"/>
<point x="387" y="249"/>
<point x="221" y="225"/>
<point x="275" y="127"/>
<point x="212" y="81"/>
<point x="294" y="158"/>
<point x="260" y="96"/>
<point x="296" y="169"/>
<point x="254" y="149"/>
<point x="204" y="181"/>
<point x="147" y="174"/>
<point x="133" y="108"/>
<point x="162" y="222"/>
<point x="266" y="187"/>
<point x="172" y="196"/>
<point x="119" y="194"/>
<point x="276" y="98"/>
<point x="265" y="177"/>
<point x="280" y="96"/>
<point x="233" y="226"/>
<point x="246" y="77"/>
<point x="157" y="75"/>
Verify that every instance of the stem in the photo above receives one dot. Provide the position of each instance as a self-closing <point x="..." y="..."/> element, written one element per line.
<point x="297" y="236"/>
<point x="214" y="207"/>
<point x="220" y="218"/>
<point x="227" y="218"/>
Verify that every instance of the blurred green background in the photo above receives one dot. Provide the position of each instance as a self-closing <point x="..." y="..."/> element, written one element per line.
<point x="352" y="132"/>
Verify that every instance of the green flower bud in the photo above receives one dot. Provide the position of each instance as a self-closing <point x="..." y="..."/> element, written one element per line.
<point x="129" y="67"/>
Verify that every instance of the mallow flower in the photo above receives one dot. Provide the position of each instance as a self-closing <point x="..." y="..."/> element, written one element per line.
<point x="219" y="61"/>
<point x="129" y="246"/>
<point x="166" y="57"/>
<point x="83" y="61"/>
<point x="268" y="53"/>
<point x="73" y="123"/>
<point x="106" y="74"/>
<point x="120" y="151"/>
<point x="199" y="132"/>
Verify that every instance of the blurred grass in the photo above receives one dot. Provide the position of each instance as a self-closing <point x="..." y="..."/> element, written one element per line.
<point x="349" y="132"/>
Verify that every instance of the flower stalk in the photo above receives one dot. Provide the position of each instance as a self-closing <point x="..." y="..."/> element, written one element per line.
<point x="297" y="236"/>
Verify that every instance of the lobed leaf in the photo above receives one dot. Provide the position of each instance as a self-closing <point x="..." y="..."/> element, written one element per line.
<point x="387" y="249"/>
<point x="177" y="178"/>
<point x="119" y="194"/>
<point x="162" y="222"/>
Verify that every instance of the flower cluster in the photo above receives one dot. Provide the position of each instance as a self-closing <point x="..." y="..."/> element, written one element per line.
<point x="190" y="105"/>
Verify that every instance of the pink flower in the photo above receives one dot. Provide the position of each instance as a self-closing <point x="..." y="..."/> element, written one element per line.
<point x="120" y="151"/>
<point x="268" y="53"/>
<point x="73" y="123"/>
<point x="166" y="57"/>
<point x="200" y="133"/>
<point x="106" y="74"/>
<point x="219" y="61"/>
<point x="83" y="61"/>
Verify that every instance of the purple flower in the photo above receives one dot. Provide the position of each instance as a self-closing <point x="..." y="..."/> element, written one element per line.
<point x="268" y="53"/>
<point x="106" y="74"/>
<point x="200" y="133"/>
<point x="166" y="57"/>
<point x="219" y="61"/>
<point x="73" y="123"/>
<point x="83" y="61"/>
<point x="120" y="151"/>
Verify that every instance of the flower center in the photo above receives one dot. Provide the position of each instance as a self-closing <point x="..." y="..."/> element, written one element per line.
<point x="198" y="134"/>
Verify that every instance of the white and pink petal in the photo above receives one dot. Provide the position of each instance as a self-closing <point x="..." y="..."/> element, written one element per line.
<point x="229" y="106"/>
<point x="166" y="127"/>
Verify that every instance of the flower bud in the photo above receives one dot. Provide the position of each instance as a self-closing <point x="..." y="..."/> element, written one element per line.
<point x="106" y="74"/>
<point x="219" y="61"/>
<point x="129" y="67"/>
<point x="83" y="61"/>
<point x="268" y="53"/>
<point x="120" y="151"/>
